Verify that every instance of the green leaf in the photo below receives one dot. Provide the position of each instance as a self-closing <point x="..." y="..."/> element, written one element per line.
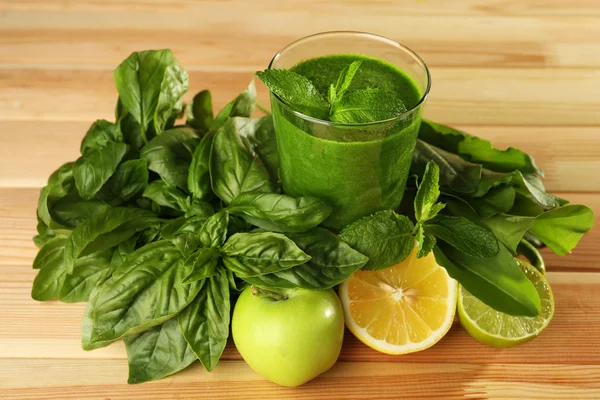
<point x="296" y="91"/>
<point x="236" y="285"/>
<point x="252" y="254"/>
<point x="426" y="242"/>
<point x="51" y="276"/>
<point x="99" y="135"/>
<point x="233" y="169"/>
<point x="367" y="105"/>
<point x="53" y="249"/>
<point x="428" y="193"/>
<point x="203" y="264"/>
<point x="477" y="150"/>
<point x="71" y="210"/>
<point x="205" y="322"/>
<point x="130" y="129"/>
<point x="337" y="91"/>
<point x="497" y="281"/>
<point x="60" y="183"/>
<point x="332" y="262"/>
<point x="526" y="184"/>
<point x="166" y="195"/>
<point x="105" y="230"/>
<point x="88" y="271"/>
<point x="528" y="250"/>
<point x="498" y="200"/>
<point x="464" y="235"/>
<point x="385" y="237"/>
<point x="279" y="212"/>
<point x="96" y="166"/>
<point x="45" y="234"/>
<point x="200" y="208"/>
<point x="129" y="180"/>
<point x="170" y="155"/>
<point x="200" y="112"/>
<point x="199" y="172"/>
<point x="241" y="106"/>
<point x="157" y="352"/>
<point x="150" y="85"/>
<point x="145" y="291"/>
<point x="214" y="230"/>
<point x="261" y="141"/>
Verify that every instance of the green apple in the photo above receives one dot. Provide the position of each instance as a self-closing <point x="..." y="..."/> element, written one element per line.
<point x="289" y="339"/>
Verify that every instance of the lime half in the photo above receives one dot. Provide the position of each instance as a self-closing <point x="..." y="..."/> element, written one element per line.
<point x="502" y="330"/>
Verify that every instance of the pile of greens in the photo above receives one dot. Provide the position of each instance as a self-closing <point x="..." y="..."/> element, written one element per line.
<point x="160" y="225"/>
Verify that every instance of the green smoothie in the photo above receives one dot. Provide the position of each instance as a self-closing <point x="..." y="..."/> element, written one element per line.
<point x="359" y="168"/>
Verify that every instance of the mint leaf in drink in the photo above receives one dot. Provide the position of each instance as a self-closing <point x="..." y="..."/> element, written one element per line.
<point x="337" y="91"/>
<point x="296" y="90"/>
<point x="464" y="235"/>
<point x="385" y="237"/>
<point x="426" y="206"/>
<point x="426" y="241"/>
<point x="367" y="105"/>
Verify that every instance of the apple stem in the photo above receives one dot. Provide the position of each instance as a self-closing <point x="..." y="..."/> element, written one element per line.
<point x="256" y="291"/>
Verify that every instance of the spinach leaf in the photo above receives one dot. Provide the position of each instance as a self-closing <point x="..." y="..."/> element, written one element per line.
<point x="150" y="85"/>
<point x="426" y="205"/>
<point x="214" y="231"/>
<point x="203" y="264"/>
<point x="205" y="322"/>
<point x="367" y="105"/>
<point x="477" y="150"/>
<point x="233" y="170"/>
<point x="528" y="185"/>
<point x="464" y="235"/>
<point x="337" y="91"/>
<point x="170" y="155"/>
<point x="279" y="212"/>
<point x="200" y="112"/>
<point x="497" y="281"/>
<point x="252" y="254"/>
<point x="497" y="201"/>
<point x="145" y="291"/>
<point x="426" y="241"/>
<point x="129" y="180"/>
<point x="157" y="352"/>
<point x="385" y="237"/>
<point x="261" y="141"/>
<point x="332" y="262"/>
<point x="166" y="195"/>
<point x="199" y="173"/>
<point x="96" y="166"/>
<point x="296" y="91"/>
<point x="241" y="106"/>
<point x="99" y="135"/>
<point x="88" y="271"/>
<point x="105" y="230"/>
<point x="528" y="250"/>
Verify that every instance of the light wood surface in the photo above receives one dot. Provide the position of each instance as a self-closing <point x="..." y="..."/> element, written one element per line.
<point x="519" y="73"/>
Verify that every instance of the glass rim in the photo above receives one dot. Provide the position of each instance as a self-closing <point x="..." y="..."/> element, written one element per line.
<point x="399" y="117"/>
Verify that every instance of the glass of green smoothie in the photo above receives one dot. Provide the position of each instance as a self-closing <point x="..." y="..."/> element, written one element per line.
<point x="361" y="168"/>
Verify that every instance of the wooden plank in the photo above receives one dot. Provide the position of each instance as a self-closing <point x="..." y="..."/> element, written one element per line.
<point x="18" y="224"/>
<point x="467" y="96"/>
<point x="204" y="37"/>
<point x="577" y="298"/>
<point x="568" y="155"/>
<point x="473" y="8"/>
<point x="100" y="379"/>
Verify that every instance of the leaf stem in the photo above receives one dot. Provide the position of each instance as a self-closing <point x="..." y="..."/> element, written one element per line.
<point x="263" y="108"/>
<point x="256" y="291"/>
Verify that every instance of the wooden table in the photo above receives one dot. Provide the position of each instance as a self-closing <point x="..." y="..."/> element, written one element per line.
<point x="520" y="73"/>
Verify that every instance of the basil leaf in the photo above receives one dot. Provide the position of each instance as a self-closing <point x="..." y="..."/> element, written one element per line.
<point x="295" y="90"/>
<point x="150" y="85"/>
<point x="100" y="133"/>
<point x="205" y="322"/>
<point x="52" y="250"/>
<point x="498" y="200"/>
<point x="71" y="210"/>
<point x="428" y="193"/>
<point x="236" y="285"/>
<point x="51" y="276"/>
<point x="45" y="234"/>
<point x="464" y="235"/>
<point x="233" y="170"/>
<point x="145" y="291"/>
<point x="157" y="352"/>
<point x="186" y="243"/>
<point x="166" y="195"/>
<point x="200" y="208"/>
<point x="105" y="230"/>
<point x="129" y="180"/>
<point x="241" y="106"/>
<point x="200" y="112"/>
<point x="130" y="129"/>
<point x="252" y="254"/>
<point x="332" y="262"/>
<point x="170" y="155"/>
<point x="385" y="237"/>
<point x="60" y="183"/>
<point x="214" y="230"/>
<point x="203" y="264"/>
<point x="199" y="173"/>
<point x="426" y="242"/>
<point x="261" y="141"/>
<point x="497" y="281"/>
<point x="477" y="150"/>
<point x="367" y="105"/>
<point x="88" y="271"/>
<point x="96" y="166"/>
<point x="279" y="212"/>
